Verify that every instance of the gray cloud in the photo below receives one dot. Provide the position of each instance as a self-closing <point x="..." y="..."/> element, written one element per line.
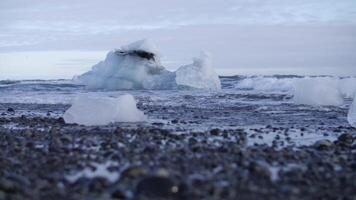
<point x="249" y="34"/>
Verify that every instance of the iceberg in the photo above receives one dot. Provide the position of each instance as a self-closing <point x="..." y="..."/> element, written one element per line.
<point x="348" y="87"/>
<point x="92" y="111"/>
<point x="200" y="74"/>
<point x="351" y="116"/>
<point x="317" y="92"/>
<point x="137" y="66"/>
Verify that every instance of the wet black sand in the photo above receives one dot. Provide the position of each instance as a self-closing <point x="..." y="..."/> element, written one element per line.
<point x="40" y="156"/>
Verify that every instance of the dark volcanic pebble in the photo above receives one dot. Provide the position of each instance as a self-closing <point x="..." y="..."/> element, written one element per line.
<point x="345" y="139"/>
<point x="323" y="144"/>
<point x="158" y="187"/>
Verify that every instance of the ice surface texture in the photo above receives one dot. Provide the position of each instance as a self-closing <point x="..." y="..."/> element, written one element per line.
<point x="137" y="66"/>
<point x="91" y="111"/>
<point x="199" y="74"/>
<point x="322" y="91"/>
<point x="351" y="116"/>
<point x="130" y="67"/>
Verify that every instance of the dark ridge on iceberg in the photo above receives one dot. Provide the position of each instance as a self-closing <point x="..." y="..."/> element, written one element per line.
<point x="139" y="53"/>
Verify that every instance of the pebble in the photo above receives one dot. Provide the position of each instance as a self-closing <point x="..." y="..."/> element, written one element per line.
<point x="7" y="185"/>
<point x="323" y="144"/>
<point x="345" y="139"/>
<point x="133" y="172"/>
<point x="215" y="131"/>
<point x="157" y="186"/>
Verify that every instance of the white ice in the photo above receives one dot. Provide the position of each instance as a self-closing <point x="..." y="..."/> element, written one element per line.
<point x="351" y="116"/>
<point x="347" y="87"/>
<point x="199" y="74"/>
<point x="144" y="45"/>
<point x="91" y="111"/>
<point x="317" y="92"/>
<point x="127" y="71"/>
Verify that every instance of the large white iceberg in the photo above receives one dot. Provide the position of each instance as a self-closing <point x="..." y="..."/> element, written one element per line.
<point x="91" y="111"/>
<point x="137" y="66"/>
<point x="351" y="116"/>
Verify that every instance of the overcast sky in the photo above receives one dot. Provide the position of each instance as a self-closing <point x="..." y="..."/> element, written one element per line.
<point x="59" y="39"/>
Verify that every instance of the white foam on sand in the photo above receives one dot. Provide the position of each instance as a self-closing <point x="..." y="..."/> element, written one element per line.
<point x="91" y="111"/>
<point x="125" y="68"/>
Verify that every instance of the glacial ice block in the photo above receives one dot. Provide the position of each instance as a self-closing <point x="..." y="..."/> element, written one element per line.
<point x="351" y="116"/>
<point x="317" y="92"/>
<point x="91" y="111"/>
<point x="200" y="74"/>
<point x="137" y="66"/>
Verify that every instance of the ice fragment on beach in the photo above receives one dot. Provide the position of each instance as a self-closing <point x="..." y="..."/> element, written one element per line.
<point x="199" y="74"/>
<point x="89" y="111"/>
<point x="351" y="116"/>
<point x="317" y="92"/>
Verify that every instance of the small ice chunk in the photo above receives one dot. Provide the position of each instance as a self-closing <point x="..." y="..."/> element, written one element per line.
<point x="351" y="116"/>
<point x="200" y="74"/>
<point x="91" y="111"/>
<point x="317" y="92"/>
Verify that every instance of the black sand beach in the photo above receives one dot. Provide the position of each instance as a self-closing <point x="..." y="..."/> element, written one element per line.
<point x="41" y="157"/>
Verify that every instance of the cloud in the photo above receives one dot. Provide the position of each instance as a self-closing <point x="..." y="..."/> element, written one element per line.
<point x="251" y="34"/>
